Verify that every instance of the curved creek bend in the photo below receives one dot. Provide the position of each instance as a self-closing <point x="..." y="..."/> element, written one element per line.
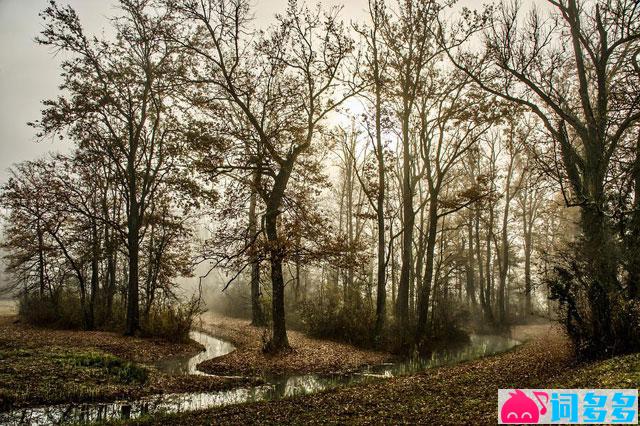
<point x="275" y="387"/>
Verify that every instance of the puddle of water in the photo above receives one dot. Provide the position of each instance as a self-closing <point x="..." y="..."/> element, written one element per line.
<point x="277" y="387"/>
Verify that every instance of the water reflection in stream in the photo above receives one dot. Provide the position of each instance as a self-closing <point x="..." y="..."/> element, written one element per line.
<point x="277" y="386"/>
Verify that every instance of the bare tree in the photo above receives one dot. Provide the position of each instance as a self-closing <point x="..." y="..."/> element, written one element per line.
<point x="280" y="85"/>
<point x="117" y="104"/>
<point x="579" y="96"/>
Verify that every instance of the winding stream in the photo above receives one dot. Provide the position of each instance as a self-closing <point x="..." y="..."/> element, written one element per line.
<point x="276" y="387"/>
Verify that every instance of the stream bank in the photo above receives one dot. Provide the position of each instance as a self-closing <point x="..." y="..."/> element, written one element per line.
<point x="275" y="387"/>
<point x="465" y="393"/>
<point x="308" y="356"/>
<point x="40" y="366"/>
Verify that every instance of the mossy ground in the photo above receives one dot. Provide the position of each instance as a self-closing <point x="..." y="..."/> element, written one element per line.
<point x="52" y="375"/>
<point x="46" y="366"/>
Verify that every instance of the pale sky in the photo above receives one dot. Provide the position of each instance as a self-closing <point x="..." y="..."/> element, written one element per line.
<point x="29" y="73"/>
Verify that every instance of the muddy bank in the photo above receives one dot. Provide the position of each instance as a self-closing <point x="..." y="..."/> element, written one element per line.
<point x="461" y="394"/>
<point x="308" y="355"/>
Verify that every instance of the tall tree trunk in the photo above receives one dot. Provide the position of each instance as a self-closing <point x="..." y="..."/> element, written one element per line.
<point x="402" y="306"/>
<point x="257" y="315"/>
<point x="95" y="267"/>
<point x="425" y="291"/>
<point x="527" y="230"/>
<point x="279" y="339"/>
<point x="40" y="234"/>
<point x="296" y="288"/>
<point x="112" y="262"/>
<point x="602" y="265"/>
<point x="381" y="297"/>
<point x="349" y="281"/>
<point x="470" y="268"/>
<point x="478" y="253"/>
<point x="490" y="268"/>
<point x="417" y="282"/>
<point x="393" y="267"/>
<point x="133" y="248"/>
<point x="503" y="263"/>
<point x="149" y="282"/>
<point x="486" y="269"/>
<point x="418" y="274"/>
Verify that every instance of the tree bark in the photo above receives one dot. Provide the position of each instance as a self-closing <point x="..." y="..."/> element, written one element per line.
<point x="40" y="235"/>
<point x="470" y="268"/>
<point x="133" y="247"/>
<point x="348" y="189"/>
<point x="527" y="237"/>
<point x="425" y="291"/>
<point x="257" y="315"/>
<point x="111" y="274"/>
<point x="95" y="270"/>
<point x="402" y="306"/>
<point x="381" y="297"/>
<point x="602" y="265"/>
<point x="504" y="257"/>
<point x="279" y="340"/>
<point x="485" y="291"/>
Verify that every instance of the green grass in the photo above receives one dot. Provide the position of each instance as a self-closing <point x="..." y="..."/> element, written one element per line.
<point x="125" y="371"/>
<point x="53" y="375"/>
<point x="615" y="373"/>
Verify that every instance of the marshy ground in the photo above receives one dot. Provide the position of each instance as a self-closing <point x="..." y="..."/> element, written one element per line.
<point x="461" y="394"/>
<point x="42" y="366"/>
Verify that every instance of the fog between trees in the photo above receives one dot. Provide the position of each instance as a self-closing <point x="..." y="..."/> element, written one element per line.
<point x="489" y="173"/>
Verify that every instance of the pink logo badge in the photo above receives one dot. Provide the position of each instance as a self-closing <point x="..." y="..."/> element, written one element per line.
<point x="519" y="408"/>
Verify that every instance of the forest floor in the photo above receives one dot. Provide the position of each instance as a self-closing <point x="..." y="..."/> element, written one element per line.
<point x="41" y="366"/>
<point x="307" y="355"/>
<point x="461" y="394"/>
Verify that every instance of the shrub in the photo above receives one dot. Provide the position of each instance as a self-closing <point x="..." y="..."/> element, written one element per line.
<point x="172" y="323"/>
<point x="169" y="321"/>
<point x="329" y="319"/>
<point x="61" y="311"/>
<point x="600" y="318"/>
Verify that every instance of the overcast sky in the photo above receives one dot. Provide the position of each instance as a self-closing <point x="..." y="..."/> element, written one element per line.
<point x="29" y="73"/>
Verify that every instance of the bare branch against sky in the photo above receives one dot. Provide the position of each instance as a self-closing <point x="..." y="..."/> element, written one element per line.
<point x="29" y="73"/>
